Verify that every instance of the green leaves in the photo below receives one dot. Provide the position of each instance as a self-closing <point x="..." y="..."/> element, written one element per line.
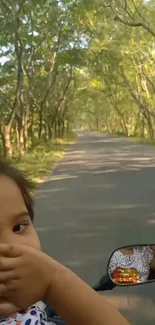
<point x="63" y="59"/>
<point x="120" y="58"/>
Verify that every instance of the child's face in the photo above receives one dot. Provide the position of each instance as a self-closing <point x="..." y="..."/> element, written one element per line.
<point x="15" y="223"/>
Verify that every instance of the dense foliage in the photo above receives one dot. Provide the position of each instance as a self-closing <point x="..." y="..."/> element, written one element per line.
<point x="73" y="63"/>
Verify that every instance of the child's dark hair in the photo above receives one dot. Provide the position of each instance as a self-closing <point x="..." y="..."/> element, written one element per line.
<point x="25" y="185"/>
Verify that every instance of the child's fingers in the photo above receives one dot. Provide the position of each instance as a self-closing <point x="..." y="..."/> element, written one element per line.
<point x="7" y="276"/>
<point x="8" y="250"/>
<point x="8" y="263"/>
<point x="7" y="308"/>
<point x="3" y="290"/>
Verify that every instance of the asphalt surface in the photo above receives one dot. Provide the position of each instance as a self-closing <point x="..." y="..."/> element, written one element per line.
<point x="99" y="197"/>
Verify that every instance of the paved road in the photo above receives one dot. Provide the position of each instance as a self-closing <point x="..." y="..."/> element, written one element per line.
<point x="101" y="196"/>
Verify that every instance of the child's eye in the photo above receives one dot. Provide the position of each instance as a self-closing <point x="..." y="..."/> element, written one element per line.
<point x="19" y="228"/>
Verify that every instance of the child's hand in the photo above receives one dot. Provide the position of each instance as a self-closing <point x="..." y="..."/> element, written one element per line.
<point x="24" y="277"/>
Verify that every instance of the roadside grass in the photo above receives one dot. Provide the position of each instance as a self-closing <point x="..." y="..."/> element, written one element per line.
<point x="132" y="137"/>
<point x="42" y="159"/>
<point x="143" y="141"/>
<point x="140" y="140"/>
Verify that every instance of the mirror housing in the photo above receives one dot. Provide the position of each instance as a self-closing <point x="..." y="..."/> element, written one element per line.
<point x="132" y="265"/>
<point x="104" y="284"/>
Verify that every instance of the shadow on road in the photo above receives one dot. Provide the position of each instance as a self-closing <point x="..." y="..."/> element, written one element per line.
<point x="100" y="196"/>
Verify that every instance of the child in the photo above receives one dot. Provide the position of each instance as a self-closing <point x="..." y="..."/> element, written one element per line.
<point x="138" y="258"/>
<point x="28" y="276"/>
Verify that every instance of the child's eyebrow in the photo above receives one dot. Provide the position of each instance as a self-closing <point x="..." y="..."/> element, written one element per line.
<point x="21" y="214"/>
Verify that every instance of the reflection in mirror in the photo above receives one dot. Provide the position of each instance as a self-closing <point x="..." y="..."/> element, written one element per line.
<point x="132" y="265"/>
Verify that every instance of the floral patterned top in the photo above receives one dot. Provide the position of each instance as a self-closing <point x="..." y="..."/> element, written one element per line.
<point x="34" y="315"/>
<point x="140" y="260"/>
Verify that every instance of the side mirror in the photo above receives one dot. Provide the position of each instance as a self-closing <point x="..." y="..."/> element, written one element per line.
<point x="132" y="265"/>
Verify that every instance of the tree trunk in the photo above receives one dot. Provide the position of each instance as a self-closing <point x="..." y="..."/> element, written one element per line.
<point x="63" y="128"/>
<point x="150" y="128"/>
<point x="25" y="136"/>
<point x="32" y="134"/>
<point x="21" y="139"/>
<point x="68" y="126"/>
<point x="32" y="126"/>
<point x="149" y="124"/>
<point x="122" y="120"/>
<point x="107" y="126"/>
<point x="142" y="130"/>
<point x="97" y="123"/>
<point x="50" y="133"/>
<point x="25" y="131"/>
<point x="17" y="135"/>
<point x="59" y="128"/>
<point x="46" y="132"/>
<point x="40" y="124"/>
<point x="125" y="129"/>
<point x="55" y="129"/>
<point x="136" y="125"/>
<point x="6" y="138"/>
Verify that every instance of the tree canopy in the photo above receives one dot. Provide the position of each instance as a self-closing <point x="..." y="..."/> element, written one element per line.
<point x="71" y="63"/>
